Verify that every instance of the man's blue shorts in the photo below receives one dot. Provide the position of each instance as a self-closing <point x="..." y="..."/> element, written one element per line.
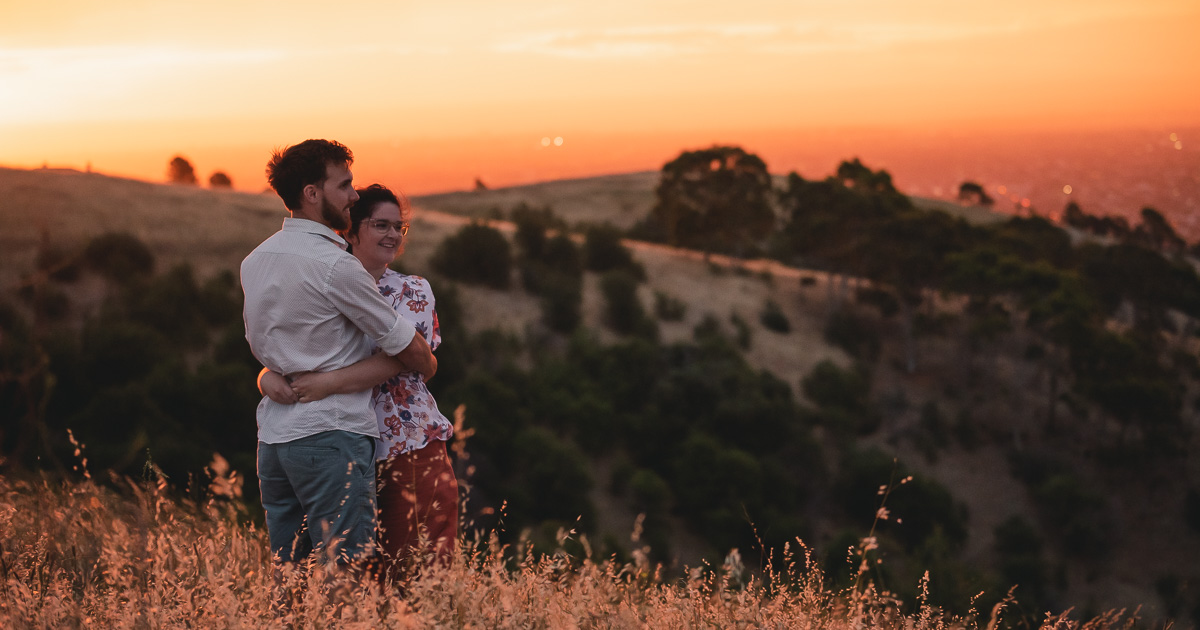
<point x="319" y="494"/>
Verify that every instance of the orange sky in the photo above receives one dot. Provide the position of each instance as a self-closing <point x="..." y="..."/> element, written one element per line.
<point x="436" y="95"/>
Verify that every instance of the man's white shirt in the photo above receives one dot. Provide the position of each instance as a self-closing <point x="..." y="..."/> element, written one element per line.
<point x="311" y="307"/>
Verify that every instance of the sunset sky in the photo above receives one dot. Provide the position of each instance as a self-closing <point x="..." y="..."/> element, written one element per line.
<point x="435" y="94"/>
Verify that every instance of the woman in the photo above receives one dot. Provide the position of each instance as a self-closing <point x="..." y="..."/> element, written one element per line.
<point x="417" y="490"/>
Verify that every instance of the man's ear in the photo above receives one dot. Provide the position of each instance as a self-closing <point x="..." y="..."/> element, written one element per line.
<point x="311" y="192"/>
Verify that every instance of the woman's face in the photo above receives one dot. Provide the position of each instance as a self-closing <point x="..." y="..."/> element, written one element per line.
<point x="376" y="248"/>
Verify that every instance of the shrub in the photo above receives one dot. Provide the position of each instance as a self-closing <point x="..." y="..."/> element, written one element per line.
<point x="49" y="302"/>
<point x="1077" y="513"/>
<point x="531" y="226"/>
<point x="563" y="255"/>
<point x="603" y="251"/>
<point x="623" y="309"/>
<point x="772" y="318"/>
<point x="931" y="434"/>
<point x="830" y="386"/>
<point x="920" y="508"/>
<point x="562" y="300"/>
<point x="221" y="299"/>
<point x="843" y="398"/>
<point x="883" y="300"/>
<point x="708" y="328"/>
<point x="551" y="480"/>
<point x="119" y="256"/>
<point x="170" y="303"/>
<point x="716" y="486"/>
<point x="59" y="262"/>
<point x="116" y="353"/>
<point x="477" y="254"/>
<point x="668" y="307"/>
<point x="744" y="335"/>
<point x="1020" y="552"/>
<point x="652" y="497"/>
<point x="850" y="333"/>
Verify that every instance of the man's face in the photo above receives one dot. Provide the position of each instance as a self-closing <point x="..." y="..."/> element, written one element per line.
<point x="337" y="195"/>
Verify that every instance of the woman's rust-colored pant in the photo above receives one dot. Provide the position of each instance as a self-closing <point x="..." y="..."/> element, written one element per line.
<point x="418" y="508"/>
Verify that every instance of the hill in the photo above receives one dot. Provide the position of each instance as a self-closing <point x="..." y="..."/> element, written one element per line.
<point x="957" y="420"/>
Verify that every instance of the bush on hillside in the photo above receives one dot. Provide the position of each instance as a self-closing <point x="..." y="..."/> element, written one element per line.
<point x="623" y="309"/>
<point x="562" y="254"/>
<point x="772" y="318"/>
<point x="744" y="335"/>
<point x="562" y="302"/>
<point x="476" y="254"/>
<point x="1019" y="548"/>
<point x="550" y="480"/>
<point x="604" y="251"/>
<point x="1077" y="513"/>
<point x="843" y="398"/>
<point x="855" y="335"/>
<point x="61" y="263"/>
<point x="668" y="307"/>
<point x="918" y="509"/>
<point x="119" y="256"/>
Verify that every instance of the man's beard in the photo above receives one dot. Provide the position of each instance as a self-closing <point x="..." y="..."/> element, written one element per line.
<point x="334" y="218"/>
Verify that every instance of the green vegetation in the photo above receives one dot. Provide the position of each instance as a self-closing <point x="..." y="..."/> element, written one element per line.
<point x="715" y="200"/>
<point x="478" y="254"/>
<point x="1077" y="360"/>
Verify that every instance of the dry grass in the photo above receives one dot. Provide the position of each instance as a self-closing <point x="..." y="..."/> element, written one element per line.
<point x="83" y="555"/>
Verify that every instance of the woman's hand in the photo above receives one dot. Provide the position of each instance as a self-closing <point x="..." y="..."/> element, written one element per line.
<point x="313" y="386"/>
<point x="274" y="386"/>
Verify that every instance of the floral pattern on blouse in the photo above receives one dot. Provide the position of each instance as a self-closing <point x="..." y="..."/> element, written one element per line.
<point x="407" y="413"/>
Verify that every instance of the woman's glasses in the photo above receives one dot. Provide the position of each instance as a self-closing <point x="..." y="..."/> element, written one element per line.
<point x="382" y="225"/>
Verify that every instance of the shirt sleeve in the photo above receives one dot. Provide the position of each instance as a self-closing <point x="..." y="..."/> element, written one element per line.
<point x="353" y="291"/>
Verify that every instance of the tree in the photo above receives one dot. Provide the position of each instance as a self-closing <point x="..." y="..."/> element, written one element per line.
<point x="180" y="171"/>
<point x="715" y="199"/>
<point x="1156" y="232"/>
<point x="220" y="180"/>
<point x="973" y="193"/>
<point x="477" y="254"/>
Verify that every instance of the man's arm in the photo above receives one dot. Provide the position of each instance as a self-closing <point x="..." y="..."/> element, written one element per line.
<point x="354" y="293"/>
<point x="418" y="357"/>
<point x="375" y="369"/>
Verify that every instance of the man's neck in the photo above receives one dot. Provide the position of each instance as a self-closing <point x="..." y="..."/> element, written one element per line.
<point x="308" y="215"/>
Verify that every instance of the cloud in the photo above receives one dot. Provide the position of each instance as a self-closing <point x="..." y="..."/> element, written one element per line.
<point x="40" y="84"/>
<point x="785" y="39"/>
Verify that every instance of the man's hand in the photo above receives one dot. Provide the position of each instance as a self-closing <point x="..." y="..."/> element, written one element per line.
<point x="313" y="386"/>
<point x="274" y="386"/>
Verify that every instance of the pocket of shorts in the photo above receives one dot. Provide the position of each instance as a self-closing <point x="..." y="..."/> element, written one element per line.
<point x="317" y="455"/>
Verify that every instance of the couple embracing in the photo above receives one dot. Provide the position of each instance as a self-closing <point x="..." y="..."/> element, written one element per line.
<point x="352" y="461"/>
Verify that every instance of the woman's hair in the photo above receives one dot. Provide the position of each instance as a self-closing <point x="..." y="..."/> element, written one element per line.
<point x="370" y="197"/>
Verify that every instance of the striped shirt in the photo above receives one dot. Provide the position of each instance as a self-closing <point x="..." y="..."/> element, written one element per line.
<point x="308" y="305"/>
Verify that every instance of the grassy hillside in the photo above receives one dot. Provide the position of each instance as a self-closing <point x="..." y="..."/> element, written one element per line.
<point x="141" y="559"/>
<point x="957" y="420"/>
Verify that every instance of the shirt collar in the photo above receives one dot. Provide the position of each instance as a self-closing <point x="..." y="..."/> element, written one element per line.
<point x="292" y="224"/>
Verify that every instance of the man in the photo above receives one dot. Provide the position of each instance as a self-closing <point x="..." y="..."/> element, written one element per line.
<point x="310" y="306"/>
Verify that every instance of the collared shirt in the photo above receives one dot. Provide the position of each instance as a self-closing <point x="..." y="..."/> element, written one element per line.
<point x="311" y="307"/>
<point x="407" y="413"/>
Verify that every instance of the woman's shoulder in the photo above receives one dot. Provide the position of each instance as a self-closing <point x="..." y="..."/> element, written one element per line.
<point x="397" y="279"/>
